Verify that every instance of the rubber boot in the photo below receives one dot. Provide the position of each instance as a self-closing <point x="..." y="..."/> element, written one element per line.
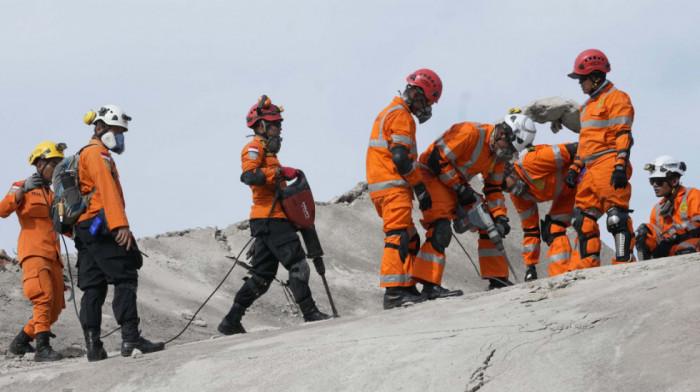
<point x="20" y="344"/>
<point x="531" y="273"/>
<point x="132" y="339"/>
<point x="311" y="312"/>
<point x="95" y="348"/>
<point x="499" y="283"/>
<point x="231" y="324"/>
<point x="44" y="352"/>
<point x="433" y="291"/>
<point x="400" y="296"/>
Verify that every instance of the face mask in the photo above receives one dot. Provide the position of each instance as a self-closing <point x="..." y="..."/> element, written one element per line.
<point x="274" y="144"/>
<point x="504" y="154"/>
<point x="666" y="208"/>
<point x="424" y="114"/>
<point x="519" y="188"/>
<point x="113" y="142"/>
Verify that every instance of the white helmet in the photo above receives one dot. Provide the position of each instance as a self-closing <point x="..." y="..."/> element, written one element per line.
<point x="111" y="115"/>
<point x="523" y="129"/>
<point x="664" y="165"/>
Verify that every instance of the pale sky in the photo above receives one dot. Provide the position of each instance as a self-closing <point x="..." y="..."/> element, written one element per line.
<point x="188" y="71"/>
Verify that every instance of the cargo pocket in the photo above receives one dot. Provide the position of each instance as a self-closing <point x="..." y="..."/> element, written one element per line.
<point x="284" y="244"/>
<point x="32" y="287"/>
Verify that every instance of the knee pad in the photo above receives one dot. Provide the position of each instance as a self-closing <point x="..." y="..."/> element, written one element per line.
<point x="618" y="226"/>
<point x="257" y="285"/>
<point x="442" y="235"/>
<point x="300" y="270"/>
<point x="546" y="229"/>
<point x="404" y="241"/>
<point x="414" y="243"/>
<point x="577" y="218"/>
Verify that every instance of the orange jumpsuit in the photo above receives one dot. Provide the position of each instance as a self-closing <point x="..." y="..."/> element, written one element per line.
<point x="392" y="193"/>
<point x="456" y="157"/>
<point x="685" y="217"/>
<point x="254" y="156"/>
<point x="543" y="169"/>
<point x="99" y="174"/>
<point x="39" y="255"/>
<point x="604" y="141"/>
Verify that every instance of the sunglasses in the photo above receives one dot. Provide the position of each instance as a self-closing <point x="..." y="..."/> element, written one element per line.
<point x="657" y="181"/>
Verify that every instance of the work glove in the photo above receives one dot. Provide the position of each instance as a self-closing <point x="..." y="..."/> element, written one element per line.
<point x="466" y="195"/>
<point x="32" y="182"/>
<point x="570" y="178"/>
<point x="619" y="177"/>
<point x="424" y="200"/>
<point x="502" y="225"/>
<point x="289" y="173"/>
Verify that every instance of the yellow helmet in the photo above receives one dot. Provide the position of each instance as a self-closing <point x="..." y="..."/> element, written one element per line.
<point x="47" y="150"/>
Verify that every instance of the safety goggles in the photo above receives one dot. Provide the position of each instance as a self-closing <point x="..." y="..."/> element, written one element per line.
<point x="657" y="181"/>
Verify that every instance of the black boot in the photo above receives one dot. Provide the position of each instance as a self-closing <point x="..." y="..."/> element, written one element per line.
<point x="142" y="344"/>
<point x="311" y="312"/>
<point x="132" y="339"/>
<point x="412" y="290"/>
<point x="400" y="296"/>
<point x="95" y="348"/>
<point x="44" y="352"/>
<point x="530" y="273"/>
<point x="498" y="283"/>
<point x="20" y="344"/>
<point x="231" y="324"/>
<point x="433" y="291"/>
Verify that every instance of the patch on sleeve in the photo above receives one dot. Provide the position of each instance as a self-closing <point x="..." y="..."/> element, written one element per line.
<point x="13" y="189"/>
<point x="253" y="152"/>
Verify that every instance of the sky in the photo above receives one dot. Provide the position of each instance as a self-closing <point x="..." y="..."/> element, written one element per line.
<point x="187" y="72"/>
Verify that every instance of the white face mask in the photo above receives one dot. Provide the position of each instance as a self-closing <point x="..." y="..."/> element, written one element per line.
<point x="113" y="142"/>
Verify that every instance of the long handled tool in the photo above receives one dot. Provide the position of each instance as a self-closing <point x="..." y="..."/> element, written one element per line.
<point x="298" y="204"/>
<point x="493" y="233"/>
<point x="321" y="269"/>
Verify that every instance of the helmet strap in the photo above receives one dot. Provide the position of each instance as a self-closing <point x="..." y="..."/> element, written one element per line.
<point x="43" y="167"/>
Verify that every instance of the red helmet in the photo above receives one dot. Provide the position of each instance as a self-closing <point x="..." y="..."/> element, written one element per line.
<point x="588" y="61"/>
<point x="428" y="81"/>
<point x="264" y="110"/>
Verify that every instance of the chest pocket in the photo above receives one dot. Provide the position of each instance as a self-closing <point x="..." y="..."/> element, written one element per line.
<point x="38" y="209"/>
<point x="596" y="112"/>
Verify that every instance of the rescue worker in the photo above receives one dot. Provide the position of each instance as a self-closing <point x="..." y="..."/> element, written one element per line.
<point x="462" y="152"/>
<point x="276" y="241"/>
<point x="393" y="176"/>
<point x="674" y="222"/>
<point x="601" y="167"/>
<point x="39" y="252"/>
<point x="538" y="177"/>
<point x="107" y="250"/>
